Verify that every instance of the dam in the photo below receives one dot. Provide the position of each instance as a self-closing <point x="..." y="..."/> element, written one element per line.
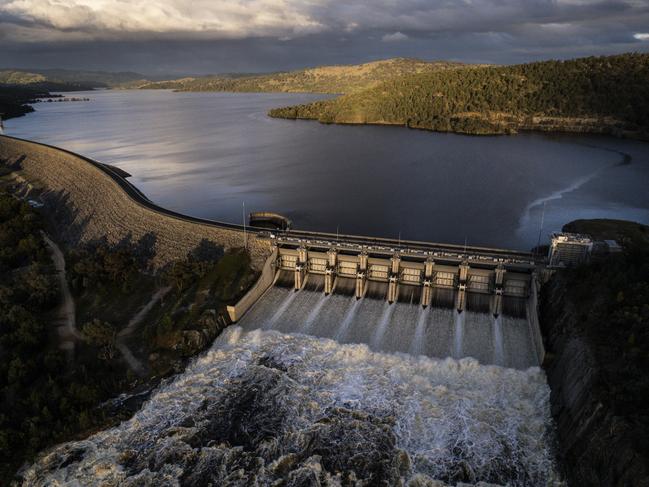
<point x="438" y="300"/>
<point x="352" y="354"/>
<point x="412" y="297"/>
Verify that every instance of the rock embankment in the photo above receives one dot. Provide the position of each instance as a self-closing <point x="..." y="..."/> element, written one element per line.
<point x="90" y="205"/>
<point x="598" y="441"/>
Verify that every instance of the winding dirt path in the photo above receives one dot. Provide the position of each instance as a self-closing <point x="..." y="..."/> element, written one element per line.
<point x="132" y="361"/>
<point x="68" y="332"/>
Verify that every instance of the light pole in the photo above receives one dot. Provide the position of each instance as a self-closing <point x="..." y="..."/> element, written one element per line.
<point x="245" y="236"/>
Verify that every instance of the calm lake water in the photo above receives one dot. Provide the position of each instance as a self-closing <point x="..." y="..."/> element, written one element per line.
<point x="205" y="154"/>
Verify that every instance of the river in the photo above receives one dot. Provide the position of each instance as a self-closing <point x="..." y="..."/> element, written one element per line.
<point x="206" y="154"/>
<point x="266" y="408"/>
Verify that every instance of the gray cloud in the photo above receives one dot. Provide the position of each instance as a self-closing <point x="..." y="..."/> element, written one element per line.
<point x="220" y="35"/>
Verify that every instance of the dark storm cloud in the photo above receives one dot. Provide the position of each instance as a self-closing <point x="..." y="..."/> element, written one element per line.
<point x="177" y="37"/>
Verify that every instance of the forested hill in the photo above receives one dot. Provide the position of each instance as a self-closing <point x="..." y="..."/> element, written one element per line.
<point x="69" y="79"/>
<point x="325" y="79"/>
<point x="595" y="94"/>
<point x="20" y="88"/>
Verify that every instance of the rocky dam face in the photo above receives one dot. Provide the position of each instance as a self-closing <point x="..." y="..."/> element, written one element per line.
<point x="328" y="390"/>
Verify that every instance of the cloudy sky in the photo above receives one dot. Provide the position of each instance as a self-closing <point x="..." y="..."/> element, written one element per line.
<point x="210" y="36"/>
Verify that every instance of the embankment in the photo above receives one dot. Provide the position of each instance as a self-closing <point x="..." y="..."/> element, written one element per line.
<point x="91" y="202"/>
<point x="597" y="400"/>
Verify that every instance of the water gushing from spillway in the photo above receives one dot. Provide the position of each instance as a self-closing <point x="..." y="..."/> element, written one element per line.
<point x="313" y="314"/>
<point x="280" y="310"/>
<point x="347" y="321"/>
<point x="417" y="345"/>
<point x="459" y="332"/>
<point x="499" y="352"/>
<point x="379" y="333"/>
<point x="264" y="406"/>
<point x="396" y="327"/>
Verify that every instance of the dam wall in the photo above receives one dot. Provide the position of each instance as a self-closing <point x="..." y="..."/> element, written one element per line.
<point x="430" y="277"/>
<point x="265" y="280"/>
<point x="91" y="202"/>
<point x="404" y="300"/>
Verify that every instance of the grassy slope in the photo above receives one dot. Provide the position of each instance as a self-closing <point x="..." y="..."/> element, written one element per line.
<point x="326" y="79"/>
<point x="604" y="94"/>
<point x="13" y="77"/>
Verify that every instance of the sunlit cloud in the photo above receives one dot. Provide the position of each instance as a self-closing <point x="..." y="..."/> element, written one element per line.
<point x="25" y="20"/>
<point x="396" y="37"/>
<point x="216" y="19"/>
<point x="641" y="36"/>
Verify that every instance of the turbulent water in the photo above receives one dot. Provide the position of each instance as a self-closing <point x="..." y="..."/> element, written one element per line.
<point x="263" y="406"/>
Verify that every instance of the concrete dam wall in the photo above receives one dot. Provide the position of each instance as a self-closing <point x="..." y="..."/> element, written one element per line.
<point x="420" y="302"/>
<point x="93" y="202"/>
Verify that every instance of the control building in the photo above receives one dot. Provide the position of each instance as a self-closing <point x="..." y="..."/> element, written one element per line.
<point x="569" y="249"/>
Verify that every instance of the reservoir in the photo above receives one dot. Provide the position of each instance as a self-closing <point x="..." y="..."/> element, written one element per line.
<point x="206" y="154"/>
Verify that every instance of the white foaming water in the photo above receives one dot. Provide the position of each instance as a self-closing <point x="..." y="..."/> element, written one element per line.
<point x="347" y="321"/>
<point x="417" y="346"/>
<point x="382" y="325"/>
<point x="454" y="420"/>
<point x="399" y="327"/>
<point x="313" y="314"/>
<point x="457" y="337"/>
<point x="499" y="349"/>
<point x="281" y="310"/>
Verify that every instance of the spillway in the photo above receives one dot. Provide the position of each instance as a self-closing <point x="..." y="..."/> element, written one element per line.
<point x="337" y="388"/>
<point x="403" y="326"/>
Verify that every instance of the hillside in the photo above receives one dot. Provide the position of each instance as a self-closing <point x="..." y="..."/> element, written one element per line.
<point x="67" y="79"/>
<point x="325" y="79"/>
<point x="20" y="88"/>
<point x="595" y="320"/>
<point x="11" y="77"/>
<point x="595" y="94"/>
<point x="15" y="99"/>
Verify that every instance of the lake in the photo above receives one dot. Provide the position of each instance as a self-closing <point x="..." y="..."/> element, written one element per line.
<point x="206" y="154"/>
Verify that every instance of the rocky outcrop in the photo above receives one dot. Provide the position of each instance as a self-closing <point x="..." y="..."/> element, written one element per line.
<point x="208" y="327"/>
<point x="90" y="205"/>
<point x="598" y="445"/>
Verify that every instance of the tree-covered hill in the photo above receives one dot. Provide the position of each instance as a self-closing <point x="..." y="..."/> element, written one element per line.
<point x="15" y="100"/>
<point x="325" y="79"/>
<point x="69" y="79"/>
<point x="20" y="88"/>
<point x="595" y="94"/>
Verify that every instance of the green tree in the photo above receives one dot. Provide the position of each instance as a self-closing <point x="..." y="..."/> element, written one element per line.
<point x="103" y="335"/>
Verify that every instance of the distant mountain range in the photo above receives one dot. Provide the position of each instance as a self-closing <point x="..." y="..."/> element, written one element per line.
<point x="324" y="79"/>
<point x="71" y="79"/>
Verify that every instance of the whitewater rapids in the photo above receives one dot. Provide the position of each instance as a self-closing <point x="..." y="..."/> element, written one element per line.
<point x="263" y="408"/>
